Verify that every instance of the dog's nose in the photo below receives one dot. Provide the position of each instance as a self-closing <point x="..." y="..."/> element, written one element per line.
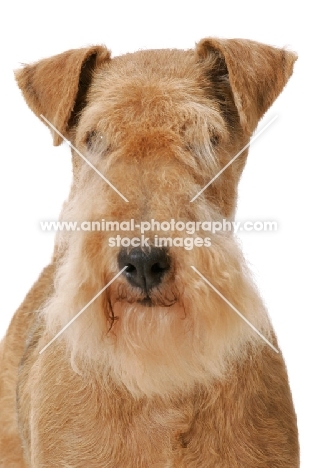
<point x="145" y="269"/>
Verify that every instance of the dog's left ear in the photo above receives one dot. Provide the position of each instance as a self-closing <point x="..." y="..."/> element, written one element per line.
<point x="56" y="87"/>
<point x="257" y="73"/>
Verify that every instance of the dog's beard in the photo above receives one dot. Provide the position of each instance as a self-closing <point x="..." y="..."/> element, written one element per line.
<point x="154" y="350"/>
<point x="185" y="335"/>
<point x="155" y="345"/>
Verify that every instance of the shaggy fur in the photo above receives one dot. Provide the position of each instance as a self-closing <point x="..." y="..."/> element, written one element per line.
<point x="180" y="382"/>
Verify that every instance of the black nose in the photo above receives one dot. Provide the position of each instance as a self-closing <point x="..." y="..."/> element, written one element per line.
<point x="145" y="269"/>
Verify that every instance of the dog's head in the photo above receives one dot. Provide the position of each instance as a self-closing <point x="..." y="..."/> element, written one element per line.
<point x="155" y="127"/>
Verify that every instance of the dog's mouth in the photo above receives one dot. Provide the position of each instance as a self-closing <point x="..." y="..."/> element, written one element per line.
<point x="155" y="298"/>
<point x="148" y="301"/>
<point x="164" y="297"/>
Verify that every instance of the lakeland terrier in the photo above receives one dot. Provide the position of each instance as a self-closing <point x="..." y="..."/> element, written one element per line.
<point x="129" y="352"/>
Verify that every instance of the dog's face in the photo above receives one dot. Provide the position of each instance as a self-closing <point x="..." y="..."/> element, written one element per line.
<point x="159" y="125"/>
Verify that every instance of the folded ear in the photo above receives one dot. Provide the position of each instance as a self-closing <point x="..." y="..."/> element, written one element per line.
<point x="56" y="87"/>
<point x="257" y="74"/>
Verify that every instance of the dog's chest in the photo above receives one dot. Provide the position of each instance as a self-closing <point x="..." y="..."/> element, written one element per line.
<point x="101" y="429"/>
<point x="150" y="434"/>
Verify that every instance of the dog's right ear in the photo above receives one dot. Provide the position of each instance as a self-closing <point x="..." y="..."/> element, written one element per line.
<point x="56" y="87"/>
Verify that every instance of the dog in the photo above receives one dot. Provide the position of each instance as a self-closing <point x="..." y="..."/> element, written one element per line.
<point x="149" y="347"/>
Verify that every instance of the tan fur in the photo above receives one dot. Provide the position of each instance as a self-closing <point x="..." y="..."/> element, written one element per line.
<point x="184" y="383"/>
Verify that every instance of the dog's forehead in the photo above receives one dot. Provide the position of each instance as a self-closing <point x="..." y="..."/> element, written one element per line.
<point x="149" y="73"/>
<point x="156" y="62"/>
<point x="163" y="88"/>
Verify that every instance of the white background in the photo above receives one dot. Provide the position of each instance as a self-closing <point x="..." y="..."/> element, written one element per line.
<point x="276" y="184"/>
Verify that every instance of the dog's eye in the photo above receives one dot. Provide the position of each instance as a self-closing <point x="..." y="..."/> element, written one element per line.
<point x="93" y="139"/>
<point x="214" y="139"/>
